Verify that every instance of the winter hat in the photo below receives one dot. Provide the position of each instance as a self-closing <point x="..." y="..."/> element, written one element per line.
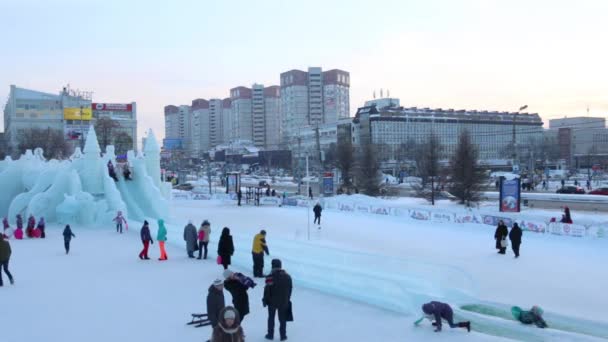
<point x="228" y="274"/>
<point x="229" y="314"/>
<point x="263" y="232"/>
<point x="218" y="282"/>
<point x="427" y="308"/>
<point x="206" y="223"/>
<point x="276" y="264"/>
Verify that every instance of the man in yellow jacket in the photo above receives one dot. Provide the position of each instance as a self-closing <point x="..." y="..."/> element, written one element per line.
<point x="259" y="248"/>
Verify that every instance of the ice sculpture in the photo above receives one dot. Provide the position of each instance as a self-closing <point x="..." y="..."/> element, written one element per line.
<point x="80" y="190"/>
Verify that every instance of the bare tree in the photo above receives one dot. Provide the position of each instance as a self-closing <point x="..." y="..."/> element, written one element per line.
<point x="368" y="169"/>
<point x="467" y="176"/>
<point x="345" y="160"/>
<point x="50" y="140"/>
<point x="427" y="163"/>
<point x="122" y="142"/>
<point x="105" y="129"/>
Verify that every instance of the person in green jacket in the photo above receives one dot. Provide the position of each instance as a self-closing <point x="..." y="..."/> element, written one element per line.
<point x="533" y="316"/>
<point x="161" y="237"/>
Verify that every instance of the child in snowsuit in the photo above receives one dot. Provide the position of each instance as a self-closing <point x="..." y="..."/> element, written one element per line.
<point x="67" y="237"/>
<point x="119" y="219"/>
<point x="229" y="327"/>
<point x="19" y="230"/>
<point x="41" y="226"/>
<point x="31" y="223"/>
<point x="438" y="311"/>
<point x="161" y="237"/>
<point x="534" y="316"/>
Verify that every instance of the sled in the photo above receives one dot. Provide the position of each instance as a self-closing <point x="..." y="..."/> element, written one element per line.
<point x="418" y="321"/>
<point x="199" y="320"/>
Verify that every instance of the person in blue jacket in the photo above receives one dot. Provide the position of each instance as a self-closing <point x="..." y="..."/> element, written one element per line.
<point x="438" y="311"/>
<point x="67" y="237"/>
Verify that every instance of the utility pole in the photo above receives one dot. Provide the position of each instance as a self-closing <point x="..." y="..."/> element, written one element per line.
<point x="514" y="139"/>
<point x="321" y="166"/>
<point x="298" y="172"/>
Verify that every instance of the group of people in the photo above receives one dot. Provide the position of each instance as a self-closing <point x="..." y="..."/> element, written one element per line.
<point x="501" y="234"/>
<point x="32" y="230"/>
<point x="126" y="171"/>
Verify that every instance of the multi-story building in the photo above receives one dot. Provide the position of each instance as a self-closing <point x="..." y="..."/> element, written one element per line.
<point x="226" y="121"/>
<point x="313" y="98"/>
<point x="390" y="128"/>
<point x="272" y="119"/>
<point x="199" y="127"/>
<point x="125" y="114"/>
<point x="580" y="138"/>
<point x="242" y="123"/>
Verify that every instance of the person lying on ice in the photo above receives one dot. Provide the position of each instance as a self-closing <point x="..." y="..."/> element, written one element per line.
<point x="534" y="316"/>
<point x="437" y="311"/>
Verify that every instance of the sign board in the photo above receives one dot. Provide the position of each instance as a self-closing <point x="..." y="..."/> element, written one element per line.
<point x="328" y="185"/>
<point x="77" y="114"/>
<point x="510" y="195"/>
<point x="113" y="107"/>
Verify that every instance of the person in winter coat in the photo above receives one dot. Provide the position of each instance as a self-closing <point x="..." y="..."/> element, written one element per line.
<point x="31" y="224"/>
<point x="225" y="248"/>
<point x="439" y="311"/>
<point x="146" y="239"/>
<point x="567" y="218"/>
<point x="317" y="209"/>
<point x="240" y="298"/>
<point x="5" y="256"/>
<point x="239" y="196"/>
<point x="515" y="237"/>
<point x="7" y="228"/>
<point x="161" y="237"/>
<point x="41" y="227"/>
<point x="190" y="236"/>
<point x="119" y="219"/>
<point x="277" y="296"/>
<point x="215" y="301"/>
<point x="111" y="171"/>
<point x="534" y="316"/>
<point x="310" y="192"/>
<point x="204" y="232"/>
<point x="501" y="234"/>
<point x="67" y="237"/>
<point x="19" y="222"/>
<point x="259" y="248"/>
<point x="229" y="327"/>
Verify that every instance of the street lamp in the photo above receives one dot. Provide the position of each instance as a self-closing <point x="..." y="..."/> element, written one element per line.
<point x="515" y="163"/>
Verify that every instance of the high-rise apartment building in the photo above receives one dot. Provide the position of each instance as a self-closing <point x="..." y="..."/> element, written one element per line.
<point x="242" y="122"/>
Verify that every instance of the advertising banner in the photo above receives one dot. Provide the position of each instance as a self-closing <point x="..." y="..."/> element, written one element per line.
<point x="328" y="185"/>
<point x="113" y="107"/>
<point x="172" y="144"/>
<point x="510" y="195"/>
<point x="77" y="114"/>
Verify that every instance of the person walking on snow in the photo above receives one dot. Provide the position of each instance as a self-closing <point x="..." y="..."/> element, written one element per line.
<point x="238" y="291"/>
<point x="215" y="301"/>
<point x="146" y="239"/>
<point x="204" y="233"/>
<point x="277" y="296"/>
<point x="5" y="256"/>
<point x="225" y="248"/>
<point x="501" y="237"/>
<point x="317" y="209"/>
<point x="161" y="237"/>
<point x="239" y="196"/>
<point x="229" y="327"/>
<point x="119" y="219"/>
<point x="259" y="248"/>
<point x="31" y="224"/>
<point x="67" y="237"/>
<point x="190" y="237"/>
<point x="515" y="237"/>
<point x="41" y="227"/>
<point x="438" y="311"/>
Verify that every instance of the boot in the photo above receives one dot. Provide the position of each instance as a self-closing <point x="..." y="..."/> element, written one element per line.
<point x="466" y="325"/>
<point x="269" y="337"/>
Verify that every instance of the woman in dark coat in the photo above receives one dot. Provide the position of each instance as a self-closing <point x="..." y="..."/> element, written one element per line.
<point x="515" y="237"/>
<point x="225" y="247"/>
<point x="240" y="298"/>
<point x="501" y="234"/>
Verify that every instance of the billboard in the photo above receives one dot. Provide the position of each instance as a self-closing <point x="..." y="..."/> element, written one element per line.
<point x="510" y="195"/>
<point x="172" y="144"/>
<point x="77" y="114"/>
<point x="113" y="107"/>
<point x="328" y="183"/>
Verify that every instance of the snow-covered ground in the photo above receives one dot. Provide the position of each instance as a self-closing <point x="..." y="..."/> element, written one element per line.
<point x="359" y="278"/>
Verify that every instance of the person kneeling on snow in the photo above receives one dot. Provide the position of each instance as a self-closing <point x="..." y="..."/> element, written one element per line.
<point x="438" y="310"/>
<point x="534" y="316"/>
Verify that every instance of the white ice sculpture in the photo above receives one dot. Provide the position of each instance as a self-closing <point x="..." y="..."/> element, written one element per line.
<point x="152" y="157"/>
<point x="80" y="190"/>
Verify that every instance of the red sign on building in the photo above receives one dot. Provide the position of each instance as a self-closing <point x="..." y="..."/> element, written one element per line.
<point x="113" y="107"/>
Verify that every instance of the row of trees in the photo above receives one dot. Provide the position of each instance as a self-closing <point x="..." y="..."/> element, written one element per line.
<point x="465" y="178"/>
<point x="55" y="145"/>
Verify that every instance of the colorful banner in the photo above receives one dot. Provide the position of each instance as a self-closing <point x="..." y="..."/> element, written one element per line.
<point x="510" y="195"/>
<point x="328" y="185"/>
<point x="85" y="114"/>
<point x="113" y="107"/>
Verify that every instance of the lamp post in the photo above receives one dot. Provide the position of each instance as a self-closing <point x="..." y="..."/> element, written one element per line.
<point x="515" y="162"/>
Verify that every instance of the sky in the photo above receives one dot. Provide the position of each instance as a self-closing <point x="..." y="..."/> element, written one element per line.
<point x="463" y="54"/>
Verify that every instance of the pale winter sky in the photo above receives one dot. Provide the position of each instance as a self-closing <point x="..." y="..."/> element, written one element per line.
<point x="465" y="54"/>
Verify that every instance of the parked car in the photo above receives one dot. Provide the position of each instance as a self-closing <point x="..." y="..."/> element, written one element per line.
<point x="570" y="189"/>
<point x="184" y="186"/>
<point x="263" y="183"/>
<point x="599" y="191"/>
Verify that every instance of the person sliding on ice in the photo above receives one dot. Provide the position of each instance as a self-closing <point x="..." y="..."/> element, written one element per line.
<point x="67" y="237"/>
<point x="437" y="311"/>
<point x="5" y="256"/>
<point x="111" y="171"/>
<point x="238" y="290"/>
<point x="190" y="237"/>
<point x="203" y="238"/>
<point x="161" y="237"/>
<point x="119" y="219"/>
<point x="146" y="239"/>
<point x="515" y="236"/>
<point x="534" y="316"/>
<point x="317" y="209"/>
<point x="229" y="327"/>
<point x="126" y="172"/>
<point x="259" y="248"/>
<point x="215" y="301"/>
<point x="41" y="227"/>
<point x="31" y="224"/>
<point x="277" y="296"/>
<point x="225" y="248"/>
<point x="500" y="236"/>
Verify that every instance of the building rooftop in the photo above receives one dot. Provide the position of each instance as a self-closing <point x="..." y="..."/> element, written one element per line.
<point x="27" y="94"/>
